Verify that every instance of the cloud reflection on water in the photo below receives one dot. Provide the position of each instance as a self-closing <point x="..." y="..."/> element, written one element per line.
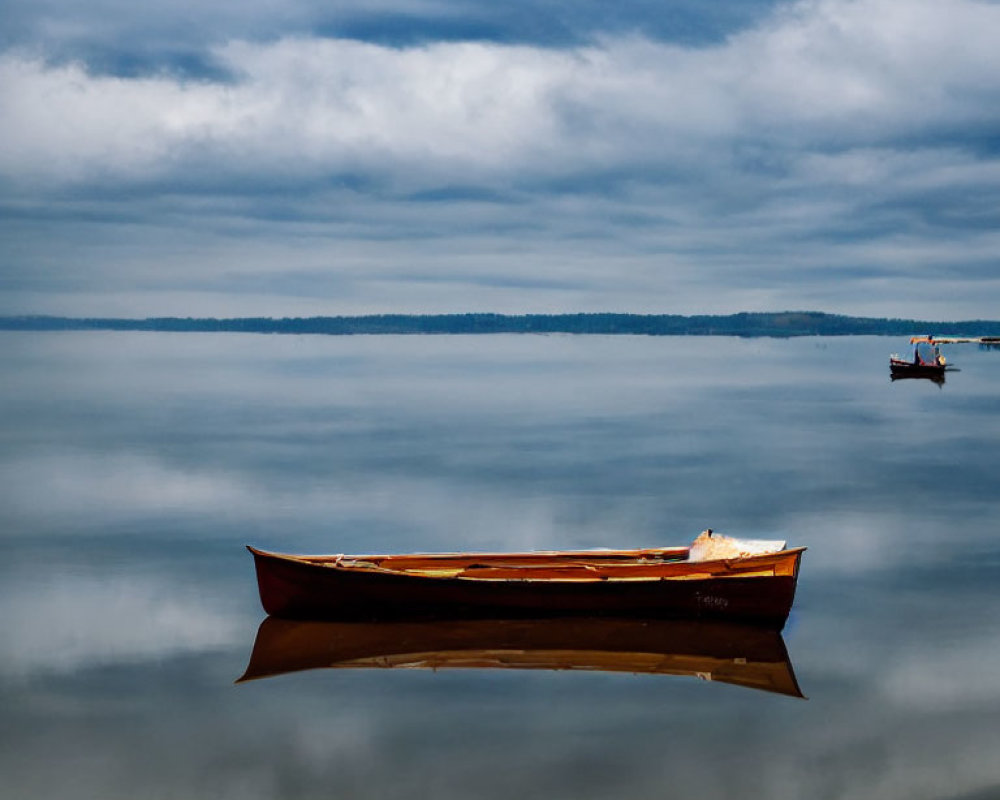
<point x="135" y="466"/>
<point x="63" y="623"/>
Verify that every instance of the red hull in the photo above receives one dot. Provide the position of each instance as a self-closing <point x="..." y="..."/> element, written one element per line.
<point x="758" y="589"/>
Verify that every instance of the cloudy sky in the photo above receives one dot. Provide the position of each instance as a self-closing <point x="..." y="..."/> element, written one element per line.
<point x="298" y="157"/>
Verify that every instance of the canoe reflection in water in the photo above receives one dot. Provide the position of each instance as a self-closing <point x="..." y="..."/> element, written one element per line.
<point x="738" y="654"/>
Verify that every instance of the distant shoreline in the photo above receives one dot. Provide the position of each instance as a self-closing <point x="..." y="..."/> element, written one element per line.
<point x="771" y="324"/>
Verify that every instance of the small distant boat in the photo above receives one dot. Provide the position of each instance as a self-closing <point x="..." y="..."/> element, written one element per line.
<point x="723" y="652"/>
<point x="716" y="577"/>
<point x="899" y="368"/>
<point x="927" y="360"/>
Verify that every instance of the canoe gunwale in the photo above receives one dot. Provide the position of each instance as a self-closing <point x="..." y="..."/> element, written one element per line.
<point x="652" y="553"/>
<point x="695" y="570"/>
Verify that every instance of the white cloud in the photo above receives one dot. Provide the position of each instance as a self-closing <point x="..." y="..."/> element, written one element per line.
<point x="298" y="106"/>
<point x="833" y="73"/>
<point x="831" y="157"/>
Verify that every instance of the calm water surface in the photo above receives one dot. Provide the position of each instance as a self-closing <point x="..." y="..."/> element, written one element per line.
<point x="135" y="466"/>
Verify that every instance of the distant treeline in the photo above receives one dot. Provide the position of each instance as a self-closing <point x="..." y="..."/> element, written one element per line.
<point x="780" y="324"/>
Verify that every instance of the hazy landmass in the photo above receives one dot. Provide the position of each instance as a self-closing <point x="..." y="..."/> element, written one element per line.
<point x="779" y="324"/>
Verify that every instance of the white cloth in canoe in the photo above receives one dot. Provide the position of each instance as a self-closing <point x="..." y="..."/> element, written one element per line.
<point x="709" y="546"/>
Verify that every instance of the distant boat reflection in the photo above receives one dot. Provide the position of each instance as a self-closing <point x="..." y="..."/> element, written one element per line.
<point x="741" y="655"/>
<point x="937" y="377"/>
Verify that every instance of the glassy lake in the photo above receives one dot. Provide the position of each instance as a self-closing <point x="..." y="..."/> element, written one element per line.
<point x="134" y="467"/>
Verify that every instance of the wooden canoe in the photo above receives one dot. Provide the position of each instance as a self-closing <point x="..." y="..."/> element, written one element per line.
<point x="743" y="655"/>
<point x="661" y="582"/>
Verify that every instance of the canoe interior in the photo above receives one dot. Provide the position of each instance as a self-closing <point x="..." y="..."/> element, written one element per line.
<point x="743" y="655"/>
<point x="580" y="566"/>
<point x="474" y="564"/>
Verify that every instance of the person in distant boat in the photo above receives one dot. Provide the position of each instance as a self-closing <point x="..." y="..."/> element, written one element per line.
<point x="917" y="360"/>
<point x="936" y="352"/>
